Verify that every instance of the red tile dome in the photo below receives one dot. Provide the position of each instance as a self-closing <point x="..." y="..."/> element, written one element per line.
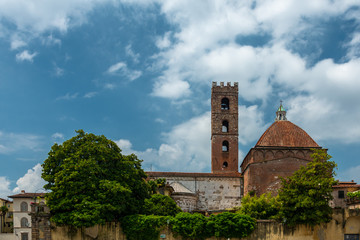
<point x="285" y="134"/>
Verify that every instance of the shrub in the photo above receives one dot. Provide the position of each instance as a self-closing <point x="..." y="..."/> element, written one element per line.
<point x="231" y="225"/>
<point x="140" y="227"/>
<point x="263" y="207"/>
<point x="190" y="226"/>
<point x="160" y="205"/>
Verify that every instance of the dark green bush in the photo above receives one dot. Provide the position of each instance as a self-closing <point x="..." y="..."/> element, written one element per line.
<point x="190" y="226"/>
<point x="263" y="207"/>
<point x="231" y="225"/>
<point x="161" y="205"/>
<point x="140" y="227"/>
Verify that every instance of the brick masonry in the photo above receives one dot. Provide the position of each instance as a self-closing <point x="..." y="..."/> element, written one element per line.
<point x="224" y="161"/>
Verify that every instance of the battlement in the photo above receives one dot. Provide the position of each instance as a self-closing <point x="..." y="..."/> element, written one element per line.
<point x="222" y="88"/>
<point x="222" y="85"/>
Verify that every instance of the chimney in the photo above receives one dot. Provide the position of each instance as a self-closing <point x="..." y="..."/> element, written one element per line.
<point x="22" y="191"/>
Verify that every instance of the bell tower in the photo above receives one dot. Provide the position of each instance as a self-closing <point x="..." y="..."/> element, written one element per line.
<point x="224" y="128"/>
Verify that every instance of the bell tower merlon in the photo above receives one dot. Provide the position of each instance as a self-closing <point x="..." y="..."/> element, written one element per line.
<point x="224" y="127"/>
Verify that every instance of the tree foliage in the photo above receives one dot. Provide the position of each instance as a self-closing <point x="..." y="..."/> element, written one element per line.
<point x="156" y="184"/>
<point x="305" y="195"/>
<point x="140" y="227"/>
<point x="190" y="226"/>
<point x="161" y="205"/>
<point x="91" y="182"/>
<point x="231" y="225"/>
<point x="263" y="207"/>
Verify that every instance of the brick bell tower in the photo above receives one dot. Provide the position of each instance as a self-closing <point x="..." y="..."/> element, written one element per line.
<point x="224" y="128"/>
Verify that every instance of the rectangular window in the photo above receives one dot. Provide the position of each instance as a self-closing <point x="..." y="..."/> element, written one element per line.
<point x="24" y="236"/>
<point x="351" y="237"/>
<point x="341" y="194"/>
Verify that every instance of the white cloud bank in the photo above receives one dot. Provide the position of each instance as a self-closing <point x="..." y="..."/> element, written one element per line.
<point x="187" y="146"/>
<point x="121" y="69"/>
<point x="25" y="56"/>
<point x="30" y="182"/>
<point x="13" y="142"/>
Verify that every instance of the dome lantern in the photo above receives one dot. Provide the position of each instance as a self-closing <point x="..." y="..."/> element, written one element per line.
<point x="281" y="113"/>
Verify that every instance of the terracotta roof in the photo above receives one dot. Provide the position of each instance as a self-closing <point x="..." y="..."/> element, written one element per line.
<point x="285" y="134"/>
<point x="347" y="186"/>
<point x="27" y="195"/>
<point x="189" y="174"/>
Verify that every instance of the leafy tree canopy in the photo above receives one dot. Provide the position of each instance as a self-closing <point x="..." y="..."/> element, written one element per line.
<point x="161" y="205"/>
<point x="305" y="195"/>
<point x="231" y="225"/>
<point x="91" y="182"/>
<point x="263" y="207"/>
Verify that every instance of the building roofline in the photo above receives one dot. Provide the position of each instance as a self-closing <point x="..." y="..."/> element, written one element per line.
<point x="27" y="195"/>
<point x="191" y="174"/>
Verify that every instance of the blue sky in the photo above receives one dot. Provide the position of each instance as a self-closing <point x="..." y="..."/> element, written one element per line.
<point x="140" y="73"/>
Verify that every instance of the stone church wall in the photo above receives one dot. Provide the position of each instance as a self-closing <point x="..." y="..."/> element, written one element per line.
<point x="213" y="193"/>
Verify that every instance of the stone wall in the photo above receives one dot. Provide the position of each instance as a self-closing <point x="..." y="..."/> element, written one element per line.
<point x="344" y="221"/>
<point x="213" y="192"/>
<point x="8" y="236"/>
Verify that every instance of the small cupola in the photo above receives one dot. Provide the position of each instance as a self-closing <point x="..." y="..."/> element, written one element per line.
<point x="281" y="113"/>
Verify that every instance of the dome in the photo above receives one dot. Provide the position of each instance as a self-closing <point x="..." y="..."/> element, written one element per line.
<point x="285" y="134"/>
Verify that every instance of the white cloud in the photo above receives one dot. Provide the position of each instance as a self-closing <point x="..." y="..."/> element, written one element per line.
<point x="121" y="69"/>
<point x="13" y="142"/>
<point x="164" y="41"/>
<point x="4" y="187"/>
<point x="90" y="94"/>
<point x="251" y="124"/>
<point x="129" y="52"/>
<point x="159" y="120"/>
<point x="17" y="43"/>
<point x="25" y="56"/>
<point x="170" y="88"/>
<point x="31" y="181"/>
<point x="58" y="71"/>
<point x="68" y="96"/>
<point x="125" y="145"/>
<point x="109" y="86"/>
<point x="39" y="16"/>
<point x="186" y="148"/>
<point x="58" y="135"/>
<point x="51" y="40"/>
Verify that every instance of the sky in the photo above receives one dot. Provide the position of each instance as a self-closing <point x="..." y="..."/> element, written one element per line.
<point x="140" y="73"/>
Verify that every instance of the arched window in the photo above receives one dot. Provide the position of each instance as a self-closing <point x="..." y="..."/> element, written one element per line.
<point x="24" y="222"/>
<point x="24" y="207"/>
<point x="225" y="165"/>
<point x="225" y="104"/>
<point x="225" y="146"/>
<point x="225" y="126"/>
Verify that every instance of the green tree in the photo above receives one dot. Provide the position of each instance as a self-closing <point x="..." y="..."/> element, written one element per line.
<point x="140" y="227"/>
<point x="3" y="211"/>
<point x="305" y="195"/>
<point x="263" y="207"/>
<point x="161" y="205"/>
<point x="231" y="225"/>
<point x="190" y="226"/>
<point x="91" y="182"/>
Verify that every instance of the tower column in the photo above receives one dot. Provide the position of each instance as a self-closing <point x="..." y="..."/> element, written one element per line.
<point x="224" y="127"/>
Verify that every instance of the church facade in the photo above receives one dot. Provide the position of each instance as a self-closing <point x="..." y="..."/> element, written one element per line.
<point x="280" y="151"/>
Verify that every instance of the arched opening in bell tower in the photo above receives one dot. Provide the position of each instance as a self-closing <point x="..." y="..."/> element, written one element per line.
<point x="225" y="104"/>
<point x="225" y="126"/>
<point x="225" y="146"/>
